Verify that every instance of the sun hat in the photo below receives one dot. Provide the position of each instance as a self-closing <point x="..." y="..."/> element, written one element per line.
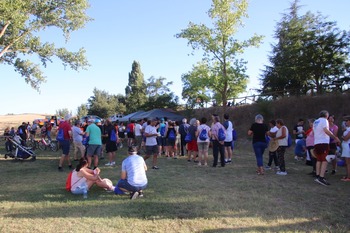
<point x="273" y="145"/>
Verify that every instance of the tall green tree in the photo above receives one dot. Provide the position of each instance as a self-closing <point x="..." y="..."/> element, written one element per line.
<point x="63" y="112"/>
<point x="221" y="49"/>
<point x="135" y="92"/>
<point x="159" y="94"/>
<point x="311" y="55"/>
<point x="103" y="104"/>
<point x="21" y="21"/>
<point x="82" y="111"/>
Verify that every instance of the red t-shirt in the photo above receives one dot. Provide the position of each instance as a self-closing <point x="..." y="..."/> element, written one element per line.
<point x="66" y="128"/>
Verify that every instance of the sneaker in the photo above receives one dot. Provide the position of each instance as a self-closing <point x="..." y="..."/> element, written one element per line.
<point x="108" y="164"/>
<point x="112" y="163"/>
<point x="267" y="168"/>
<point x="188" y="160"/>
<point x="277" y="168"/>
<point x="134" y="195"/>
<point x="281" y="173"/>
<point x="140" y="193"/>
<point x="199" y="164"/>
<point x="70" y="166"/>
<point x="60" y="169"/>
<point x="229" y="161"/>
<point x="155" y="167"/>
<point x="333" y="172"/>
<point x="345" y="179"/>
<point x="322" y="181"/>
<point x="205" y="165"/>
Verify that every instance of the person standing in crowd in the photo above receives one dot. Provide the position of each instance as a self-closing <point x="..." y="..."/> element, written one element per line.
<point x="78" y="141"/>
<point x="299" y="132"/>
<point x="23" y="133"/>
<point x="346" y="148"/>
<point x="170" y="136"/>
<point x="228" y="140"/>
<point x="259" y="131"/>
<point x="282" y="138"/>
<point x="322" y="136"/>
<point x="138" y="134"/>
<point x="192" y="146"/>
<point x="272" y="154"/>
<point x="161" y="137"/>
<point x="310" y="141"/>
<point x="65" y="144"/>
<point x="121" y="134"/>
<point x="151" y="143"/>
<point x="130" y="129"/>
<point x="95" y="143"/>
<point x="111" y="142"/>
<point x="183" y="128"/>
<point x="178" y="139"/>
<point x="218" y="145"/>
<point x="203" y="135"/>
<point x="133" y="177"/>
<point x="332" y="144"/>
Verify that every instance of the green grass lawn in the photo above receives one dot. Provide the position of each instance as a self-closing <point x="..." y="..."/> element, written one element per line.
<point x="181" y="197"/>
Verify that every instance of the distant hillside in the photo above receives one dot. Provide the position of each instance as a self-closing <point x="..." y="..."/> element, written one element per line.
<point x="16" y="119"/>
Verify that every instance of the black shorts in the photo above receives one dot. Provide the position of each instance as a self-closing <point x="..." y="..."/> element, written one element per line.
<point x="111" y="146"/>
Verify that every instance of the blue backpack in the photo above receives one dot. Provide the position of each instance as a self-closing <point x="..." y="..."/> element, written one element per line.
<point x="172" y="135"/>
<point x="60" y="135"/>
<point x="234" y="135"/>
<point x="203" y="135"/>
<point x="113" y="137"/>
<point x="221" y="135"/>
<point x="290" y="140"/>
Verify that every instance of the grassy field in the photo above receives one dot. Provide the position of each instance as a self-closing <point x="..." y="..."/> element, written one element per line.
<point x="181" y="197"/>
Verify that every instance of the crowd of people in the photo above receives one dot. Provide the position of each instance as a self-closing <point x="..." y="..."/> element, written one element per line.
<point x="318" y="145"/>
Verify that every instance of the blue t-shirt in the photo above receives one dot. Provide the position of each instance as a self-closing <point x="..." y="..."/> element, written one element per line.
<point x="133" y="165"/>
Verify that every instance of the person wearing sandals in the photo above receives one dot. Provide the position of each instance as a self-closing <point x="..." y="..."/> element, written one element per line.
<point x="282" y="138"/>
<point x="259" y="131"/>
<point x="346" y="148"/>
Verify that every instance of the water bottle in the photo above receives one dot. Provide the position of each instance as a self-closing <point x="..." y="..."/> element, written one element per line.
<point x="85" y="194"/>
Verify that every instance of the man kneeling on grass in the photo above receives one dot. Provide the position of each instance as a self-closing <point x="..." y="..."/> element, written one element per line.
<point x="133" y="177"/>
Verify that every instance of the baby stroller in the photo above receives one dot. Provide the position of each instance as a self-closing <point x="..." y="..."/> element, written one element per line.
<point x="17" y="150"/>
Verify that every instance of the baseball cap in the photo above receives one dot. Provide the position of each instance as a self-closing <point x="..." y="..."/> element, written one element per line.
<point x="91" y="120"/>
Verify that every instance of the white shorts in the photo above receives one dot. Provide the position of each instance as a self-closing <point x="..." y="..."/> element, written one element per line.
<point x="345" y="150"/>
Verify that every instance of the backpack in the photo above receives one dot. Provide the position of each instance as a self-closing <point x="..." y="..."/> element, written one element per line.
<point x="234" y="135"/>
<point x="69" y="181"/>
<point x="60" y="135"/>
<point x="162" y="131"/>
<point x="20" y="131"/>
<point x="290" y="140"/>
<point x="203" y="135"/>
<point x="221" y="134"/>
<point x="188" y="137"/>
<point x="171" y="135"/>
<point x="113" y="137"/>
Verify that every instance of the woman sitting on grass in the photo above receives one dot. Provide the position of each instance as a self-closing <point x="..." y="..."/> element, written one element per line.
<point x="83" y="178"/>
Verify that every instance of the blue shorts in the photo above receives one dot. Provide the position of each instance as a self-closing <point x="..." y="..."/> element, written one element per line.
<point x="125" y="185"/>
<point x="65" y="144"/>
<point x="94" y="150"/>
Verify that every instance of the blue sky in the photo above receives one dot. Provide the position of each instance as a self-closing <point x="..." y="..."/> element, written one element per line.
<point x="124" y="31"/>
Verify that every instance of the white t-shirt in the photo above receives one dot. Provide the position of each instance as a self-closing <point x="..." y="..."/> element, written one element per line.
<point x="319" y="133"/>
<point x="134" y="166"/>
<point x="138" y="129"/>
<point x="151" y="141"/>
<point x="229" y="129"/>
